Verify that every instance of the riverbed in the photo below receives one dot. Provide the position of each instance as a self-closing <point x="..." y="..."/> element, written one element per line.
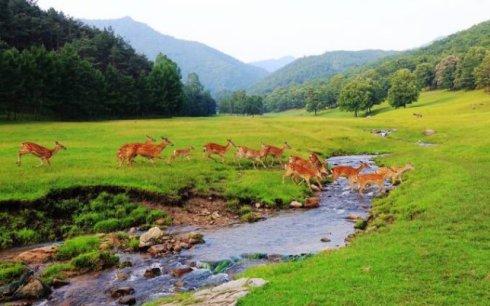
<point x="288" y="235"/>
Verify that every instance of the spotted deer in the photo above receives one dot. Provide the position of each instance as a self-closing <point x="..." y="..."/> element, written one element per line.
<point x="256" y="156"/>
<point x="315" y="160"/>
<point x="182" y="153"/>
<point x="127" y="152"/>
<point x="217" y="149"/>
<point x="152" y="151"/>
<point x="275" y="152"/>
<point x="399" y="171"/>
<point x="303" y="171"/>
<point x="365" y="180"/>
<point x="43" y="153"/>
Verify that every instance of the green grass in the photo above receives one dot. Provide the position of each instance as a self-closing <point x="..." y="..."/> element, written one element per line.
<point x="56" y="270"/>
<point x="430" y="242"/>
<point x="78" y="245"/>
<point x="10" y="271"/>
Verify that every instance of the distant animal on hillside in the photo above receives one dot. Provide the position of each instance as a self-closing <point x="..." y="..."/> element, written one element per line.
<point x="152" y="151"/>
<point x="183" y="153"/>
<point x="43" y="153"/>
<point x="256" y="156"/>
<point x="212" y="148"/>
<point x="275" y="152"/>
<point x="417" y="115"/>
<point x="127" y="152"/>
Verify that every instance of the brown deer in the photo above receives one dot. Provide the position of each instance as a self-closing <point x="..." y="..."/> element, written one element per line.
<point x="313" y="158"/>
<point x="275" y="152"/>
<point x="417" y="115"/>
<point x="183" y="153"/>
<point x="347" y="171"/>
<point x="303" y="171"/>
<point x="386" y="172"/>
<point x="364" y="180"/>
<point x="43" y="153"/>
<point x="399" y="171"/>
<point x="216" y="149"/>
<point x="127" y="152"/>
<point x="151" y="151"/>
<point x="253" y="155"/>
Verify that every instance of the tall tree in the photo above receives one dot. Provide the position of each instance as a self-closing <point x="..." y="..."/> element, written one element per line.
<point x="445" y="72"/>
<point x="356" y="95"/>
<point x="197" y="102"/>
<point x="465" y="77"/>
<point x="424" y="74"/>
<point x="482" y="73"/>
<point x="403" y="88"/>
<point x="313" y="102"/>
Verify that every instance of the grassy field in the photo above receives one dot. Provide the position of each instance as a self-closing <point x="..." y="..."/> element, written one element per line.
<point x="431" y="243"/>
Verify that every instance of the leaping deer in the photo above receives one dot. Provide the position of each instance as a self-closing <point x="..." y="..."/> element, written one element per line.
<point x="313" y="158"/>
<point x="151" y="151"/>
<point x="248" y="153"/>
<point x="43" y="153"/>
<point x="304" y="171"/>
<point x="183" y="153"/>
<point x="127" y="152"/>
<point x="348" y="172"/>
<point x="275" y="152"/>
<point x="217" y="149"/>
<point x="364" y="180"/>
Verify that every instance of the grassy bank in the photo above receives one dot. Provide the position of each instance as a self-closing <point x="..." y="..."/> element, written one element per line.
<point x="431" y="245"/>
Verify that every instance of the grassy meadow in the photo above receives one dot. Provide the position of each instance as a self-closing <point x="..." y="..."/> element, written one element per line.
<point x="427" y="244"/>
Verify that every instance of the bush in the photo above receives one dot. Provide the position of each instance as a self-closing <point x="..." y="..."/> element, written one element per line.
<point x="9" y="271"/>
<point x="109" y="225"/>
<point x="133" y="244"/>
<point x="244" y="210"/>
<point x="26" y="236"/>
<point x="5" y="240"/>
<point x="249" y="217"/>
<point x="157" y="214"/>
<point x="138" y="215"/>
<point x="94" y="260"/>
<point x="78" y="245"/>
<point x="360" y="224"/>
<point x="87" y="220"/>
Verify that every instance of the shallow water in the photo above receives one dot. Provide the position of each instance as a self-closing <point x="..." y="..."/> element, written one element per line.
<point x="291" y="232"/>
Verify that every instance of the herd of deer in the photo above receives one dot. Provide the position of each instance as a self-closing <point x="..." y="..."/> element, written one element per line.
<point x="310" y="170"/>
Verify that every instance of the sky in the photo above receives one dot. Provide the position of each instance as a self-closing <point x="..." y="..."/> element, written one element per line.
<point x="253" y="30"/>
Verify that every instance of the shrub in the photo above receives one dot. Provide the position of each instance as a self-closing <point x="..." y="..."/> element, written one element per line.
<point x="138" y="215"/>
<point x="5" y="240"/>
<point x="78" y="245"/>
<point x="133" y="244"/>
<point x="87" y="220"/>
<point x="360" y="224"/>
<point x="233" y="205"/>
<point x="26" y="236"/>
<point x="158" y="214"/>
<point x="9" y="271"/>
<point x="244" y="210"/>
<point x="249" y="217"/>
<point x="109" y="225"/>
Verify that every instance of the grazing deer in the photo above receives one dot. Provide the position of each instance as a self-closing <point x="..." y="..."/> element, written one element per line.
<point x="152" y="150"/>
<point x="347" y="171"/>
<point x="216" y="149"/>
<point x="364" y="180"/>
<point x="43" y="153"/>
<point x="313" y="158"/>
<point x="417" y="115"/>
<point x="127" y="152"/>
<point x="275" y="152"/>
<point x="183" y="153"/>
<point x="399" y="171"/>
<point x="248" y="153"/>
<point x="303" y="171"/>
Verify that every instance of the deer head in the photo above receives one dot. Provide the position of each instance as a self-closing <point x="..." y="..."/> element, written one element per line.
<point x="59" y="146"/>
<point x="167" y="141"/>
<point x="286" y="145"/>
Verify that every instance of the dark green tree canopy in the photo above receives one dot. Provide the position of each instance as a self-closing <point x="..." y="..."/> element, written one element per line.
<point x="403" y="88"/>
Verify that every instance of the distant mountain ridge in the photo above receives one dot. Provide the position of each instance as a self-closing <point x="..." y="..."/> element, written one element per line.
<point x="274" y="64"/>
<point x="317" y="66"/>
<point x="217" y="70"/>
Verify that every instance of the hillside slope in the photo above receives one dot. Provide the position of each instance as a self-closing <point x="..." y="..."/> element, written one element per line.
<point x="217" y="71"/>
<point x="272" y="65"/>
<point x="317" y="66"/>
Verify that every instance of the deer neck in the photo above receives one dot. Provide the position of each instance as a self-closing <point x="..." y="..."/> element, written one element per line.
<point x="55" y="150"/>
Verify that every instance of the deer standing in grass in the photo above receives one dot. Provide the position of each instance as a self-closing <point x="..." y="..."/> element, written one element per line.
<point x="256" y="156"/>
<point x="43" y="153"/>
<point x="183" y="153"/>
<point x="217" y="149"/>
<point x="127" y="152"/>
<point x="152" y="151"/>
<point x="275" y="152"/>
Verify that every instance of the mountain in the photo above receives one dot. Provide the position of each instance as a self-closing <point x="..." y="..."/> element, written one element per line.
<point x="217" y="70"/>
<point x="317" y="66"/>
<point x="272" y="65"/>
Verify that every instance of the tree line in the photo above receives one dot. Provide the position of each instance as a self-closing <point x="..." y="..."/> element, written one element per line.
<point x="240" y="103"/>
<point x="54" y="67"/>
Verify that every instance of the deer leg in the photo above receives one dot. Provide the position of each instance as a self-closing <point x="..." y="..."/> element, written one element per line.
<point x="262" y="162"/>
<point x="18" y="158"/>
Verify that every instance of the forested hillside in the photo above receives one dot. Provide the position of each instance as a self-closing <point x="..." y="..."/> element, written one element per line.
<point x="458" y="61"/>
<point x="217" y="71"/>
<point x="317" y="66"/>
<point x="56" y="67"/>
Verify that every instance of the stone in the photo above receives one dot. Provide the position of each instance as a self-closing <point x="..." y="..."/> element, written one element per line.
<point x="215" y="215"/>
<point x="33" y="289"/>
<point x="153" y="236"/>
<point x="121" y="276"/>
<point x="161" y="221"/>
<point x="194" y="238"/>
<point x="57" y="283"/>
<point x="429" y="132"/>
<point x="157" y="249"/>
<point x="195" y="278"/>
<point x="127" y="300"/>
<point x="121" y="291"/>
<point x="38" y="255"/>
<point x="178" y="272"/>
<point x="132" y="231"/>
<point x="353" y="217"/>
<point x="152" y="272"/>
<point x="258" y="205"/>
<point x="312" y="202"/>
<point x="295" y="204"/>
<point x="227" y="293"/>
<point x="325" y="239"/>
<point x="125" y="264"/>
<point x="274" y="257"/>
<point x="216" y="279"/>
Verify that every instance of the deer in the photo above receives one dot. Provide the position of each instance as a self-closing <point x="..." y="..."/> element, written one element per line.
<point x="313" y="158"/>
<point x="217" y="149"/>
<point x="399" y="171"/>
<point x="151" y="151"/>
<point x="127" y="152"/>
<point x="386" y="172"/>
<point x="183" y="153"/>
<point x="348" y="172"/>
<point x="364" y="180"/>
<point x="303" y="171"/>
<point x="248" y="153"/>
<point x="43" y="153"/>
<point x="275" y="152"/>
<point x="417" y="115"/>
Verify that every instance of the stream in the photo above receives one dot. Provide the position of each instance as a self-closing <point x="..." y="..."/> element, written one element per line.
<point x="289" y="235"/>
